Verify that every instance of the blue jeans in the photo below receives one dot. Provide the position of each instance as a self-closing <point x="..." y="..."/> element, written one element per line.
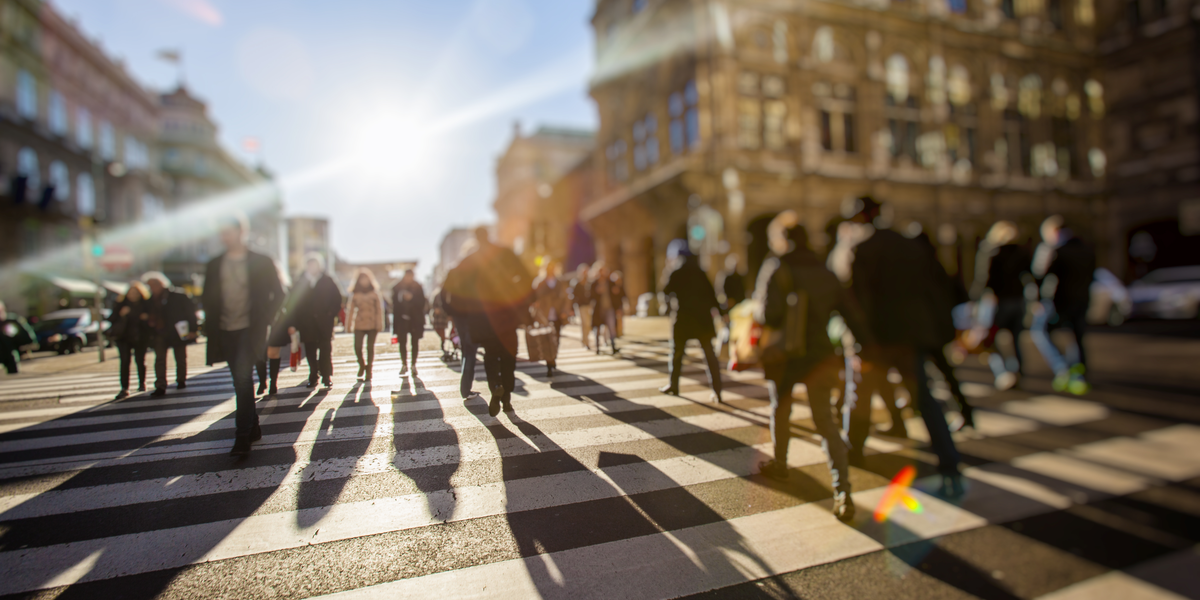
<point x="468" y="365"/>
<point x="235" y="345"/>
<point x="1040" y="332"/>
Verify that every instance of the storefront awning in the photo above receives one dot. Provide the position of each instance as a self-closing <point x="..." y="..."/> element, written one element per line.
<point x="73" y="286"/>
<point x="117" y="287"/>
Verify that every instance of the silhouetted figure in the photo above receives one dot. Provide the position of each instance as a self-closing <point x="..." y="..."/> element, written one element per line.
<point x="607" y="298"/>
<point x="1001" y="272"/>
<point x="731" y="283"/>
<point x="551" y="305"/>
<point x="365" y="317"/>
<point x="408" y="318"/>
<point x="460" y="301"/>
<point x="172" y="323"/>
<point x="314" y="314"/>
<point x="581" y="296"/>
<point x="1065" y="267"/>
<point x="14" y="333"/>
<point x="693" y="304"/>
<point x="952" y="293"/>
<point x="799" y="296"/>
<point x="242" y="294"/>
<point x="131" y="332"/>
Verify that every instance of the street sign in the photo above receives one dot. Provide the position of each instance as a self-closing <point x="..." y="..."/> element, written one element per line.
<point x="116" y="258"/>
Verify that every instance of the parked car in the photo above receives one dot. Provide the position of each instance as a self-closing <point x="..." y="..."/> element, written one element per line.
<point x="1110" y="303"/>
<point x="67" y="331"/>
<point x="1171" y="293"/>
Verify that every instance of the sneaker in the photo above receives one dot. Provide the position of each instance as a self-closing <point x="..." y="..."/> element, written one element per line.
<point x="403" y="370"/>
<point x="141" y="387"/>
<point x="1078" y="386"/>
<point x="158" y="393"/>
<point x="414" y="370"/>
<point x="506" y="401"/>
<point x="669" y="390"/>
<point x="362" y="369"/>
<point x="773" y="469"/>
<point x="311" y="383"/>
<point x="272" y="390"/>
<point x="715" y="398"/>
<point x="1006" y="381"/>
<point x="952" y="486"/>
<point x="494" y="403"/>
<point x="121" y="395"/>
<point x="262" y="388"/>
<point x="181" y="386"/>
<point x="241" y="447"/>
<point x="1061" y="381"/>
<point x="843" y="507"/>
<point x="328" y="383"/>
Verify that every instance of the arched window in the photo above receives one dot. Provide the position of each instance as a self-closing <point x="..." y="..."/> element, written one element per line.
<point x="823" y="45"/>
<point x="83" y="128"/>
<point x="959" y="86"/>
<point x="1029" y="96"/>
<point x="85" y="200"/>
<point x="108" y="141"/>
<point x="897" y="78"/>
<point x="57" y="113"/>
<point x="27" y="96"/>
<point x="1095" y="96"/>
<point x="935" y="80"/>
<point x="999" y="92"/>
<point x="60" y="178"/>
<point x="27" y="167"/>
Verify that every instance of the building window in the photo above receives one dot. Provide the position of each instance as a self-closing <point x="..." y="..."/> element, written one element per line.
<point x="1097" y="161"/>
<point x="28" y="167"/>
<point x="57" y="113"/>
<point x="108" y="143"/>
<point x="1029" y="96"/>
<point x="85" y="201"/>
<point x="935" y="81"/>
<point x="1029" y="8"/>
<point x="691" y="116"/>
<point x="823" y="44"/>
<point x="779" y="40"/>
<point x="749" y="114"/>
<point x="1016" y="133"/>
<point x="1054" y="12"/>
<point x="897" y="79"/>
<point x="645" y="143"/>
<point x="960" y="143"/>
<point x="836" y="116"/>
<point x="826" y="131"/>
<point x="27" y="96"/>
<point x="618" y="169"/>
<point x="83" y="128"/>
<point x="848" y="133"/>
<point x="1085" y="12"/>
<point x="675" y="110"/>
<point x="1064" y="144"/>
<point x="1006" y="7"/>
<point x="1095" y="96"/>
<point x="61" y="180"/>
<point x="958" y="7"/>
<point x="958" y="86"/>
<point x="638" y="6"/>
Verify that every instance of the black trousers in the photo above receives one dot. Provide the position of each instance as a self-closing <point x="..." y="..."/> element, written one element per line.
<point x="499" y="362"/>
<point x="678" y="346"/>
<point x="820" y="379"/>
<point x="132" y="351"/>
<point x="161" y="347"/>
<point x="406" y="339"/>
<point x="469" y="353"/>
<point x="235" y="345"/>
<point x="318" y="349"/>
<point x="369" y="337"/>
<point x="9" y="360"/>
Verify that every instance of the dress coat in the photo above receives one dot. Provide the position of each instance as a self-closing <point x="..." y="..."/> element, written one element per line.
<point x="266" y="295"/>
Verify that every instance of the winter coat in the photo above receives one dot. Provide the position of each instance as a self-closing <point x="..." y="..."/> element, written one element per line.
<point x="490" y="291"/>
<point x="733" y="287"/>
<point x="266" y="295"/>
<point x="364" y="312"/>
<point x="408" y="314"/>
<point x="316" y="307"/>
<point x="167" y="309"/>
<point x="616" y="295"/>
<point x="1004" y="271"/>
<point x="695" y="299"/>
<point x="550" y="298"/>
<point x="1074" y="264"/>
<point x="132" y="328"/>
<point x="780" y="292"/>
<point x="903" y="291"/>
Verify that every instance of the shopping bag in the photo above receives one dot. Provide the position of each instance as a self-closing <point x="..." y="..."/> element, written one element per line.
<point x="541" y="343"/>
<point x="745" y="335"/>
<point x="294" y="361"/>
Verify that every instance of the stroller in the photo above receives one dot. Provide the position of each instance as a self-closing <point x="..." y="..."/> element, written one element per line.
<point x="455" y="352"/>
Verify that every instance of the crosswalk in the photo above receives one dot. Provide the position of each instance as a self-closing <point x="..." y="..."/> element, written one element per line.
<point x="596" y="486"/>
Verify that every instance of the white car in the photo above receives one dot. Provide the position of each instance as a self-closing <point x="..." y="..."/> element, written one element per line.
<point x="1171" y="293"/>
<point x="1110" y="303"/>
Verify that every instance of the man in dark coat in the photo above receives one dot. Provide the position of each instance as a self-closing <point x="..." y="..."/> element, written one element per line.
<point x="896" y="282"/>
<point x="408" y="317"/>
<point x="314" y="314"/>
<point x="1065" y="267"/>
<point x="732" y="283"/>
<point x="168" y="308"/>
<point x="14" y="333"/>
<point x="799" y="296"/>
<point x="460" y="303"/>
<point x="493" y="292"/>
<point x="1003" y="269"/>
<point x="693" y="301"/>
<point x="242" y="294"/>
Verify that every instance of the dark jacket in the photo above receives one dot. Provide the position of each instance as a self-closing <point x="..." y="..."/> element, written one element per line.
<point x="133" y="328"/>
<point x="695" y="299"/>
<point x="167" y="309"/>
<point x="733" y="286"/>
<point x="1074" y="265"/>
<point x="266" y="295"/>
<point x="490" y="291"/>
<point x="14" y="333"/>
<point x="903" y="291"/>
<point x="581" y="291"/>
<point x="822" y="293"/>
<point x="315" y="307"/>
<point x="1005" y="271"/>
<point x="616" y="295"/>
<point x="408" y="316"/>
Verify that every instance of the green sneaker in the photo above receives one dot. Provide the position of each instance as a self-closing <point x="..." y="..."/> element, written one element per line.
<point x="1061" y="381"/>
<point x="1078" y="386"/>
<point x="1078" y="370"/>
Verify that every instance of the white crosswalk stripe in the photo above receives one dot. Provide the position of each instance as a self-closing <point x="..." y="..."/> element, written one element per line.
<point x="597" y="486"/>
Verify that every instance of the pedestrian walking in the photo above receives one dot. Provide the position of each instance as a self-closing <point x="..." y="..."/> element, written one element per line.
<point x="550" y="308"/>
<point x="460" y="301"/>
<point x="242" y="295"/>
<point x="799" y="296"/>
<point x="408" y="318"/>
<point x="896" y="283"/>
<point x="14" y="333"/>
<point x="365" y="317"/>
<point x="606" y="298"/>
<point x="130" y="330"/>
<point x="172" y="324"/>
<point x="950" y="293"/>
<point x="693" y="307"/>
<point x="1001" y="272"/>
<point x="581" y="296"/>
<point x="317" y="305"/>
<point x="277" y="339"/>
<point x="731" y="284"/>
<point x="439" y="319"/>
<point x="495" y="291"/>
<point x="1064" y="266"/>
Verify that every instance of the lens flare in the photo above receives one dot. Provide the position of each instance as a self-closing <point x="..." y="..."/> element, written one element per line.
<point x="897" y="493"/>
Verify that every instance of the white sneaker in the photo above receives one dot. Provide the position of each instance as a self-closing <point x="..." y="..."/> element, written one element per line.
<point x="404" y="369"/>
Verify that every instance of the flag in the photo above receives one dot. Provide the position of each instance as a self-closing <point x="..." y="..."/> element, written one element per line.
<point x="171" y="56"/>
<point x="251" y="144"/>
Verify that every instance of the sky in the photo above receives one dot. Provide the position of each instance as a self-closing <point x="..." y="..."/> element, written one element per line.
<point x="386" y="117"/>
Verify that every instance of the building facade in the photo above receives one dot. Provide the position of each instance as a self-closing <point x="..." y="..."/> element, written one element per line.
<point x="450" y="253"/>
<point x="715" y="116"/>
<point x="525" y="174"/>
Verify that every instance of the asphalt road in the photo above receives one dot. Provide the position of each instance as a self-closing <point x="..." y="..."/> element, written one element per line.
<point x="597" y="486"/>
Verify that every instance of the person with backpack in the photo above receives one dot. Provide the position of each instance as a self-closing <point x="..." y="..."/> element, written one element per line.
<point x="694" y="301"/>
<point x="799" y="296"/>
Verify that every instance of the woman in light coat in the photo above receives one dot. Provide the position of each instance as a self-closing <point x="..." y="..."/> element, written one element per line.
<point x="365" y="317"/>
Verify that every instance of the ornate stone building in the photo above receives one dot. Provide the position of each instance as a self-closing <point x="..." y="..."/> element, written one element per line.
<point x="716" y="115"/>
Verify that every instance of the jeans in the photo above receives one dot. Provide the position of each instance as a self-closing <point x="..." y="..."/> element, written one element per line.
<point x="820" y="379"/>
<point x="608" y="320"/>
<point x="318" y="351"/>
<point x="499" y="362"/>
<point x="1010" y="315"/>
<point x="1040" y="332"/>
<point x="405" y="339"/>
<point x="161" y="346"/>
<point x="235" y="345"/>
<point x="127" y="352"/>
<point x="678" y="346"/>
<point x="358" y="346"/>
<point x="469" y="350"/>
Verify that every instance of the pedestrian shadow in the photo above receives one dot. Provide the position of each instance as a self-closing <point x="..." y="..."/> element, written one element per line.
<point x="87" y="553"/>
<point x="346" y="433"/>
<point x="434" y="432"/>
